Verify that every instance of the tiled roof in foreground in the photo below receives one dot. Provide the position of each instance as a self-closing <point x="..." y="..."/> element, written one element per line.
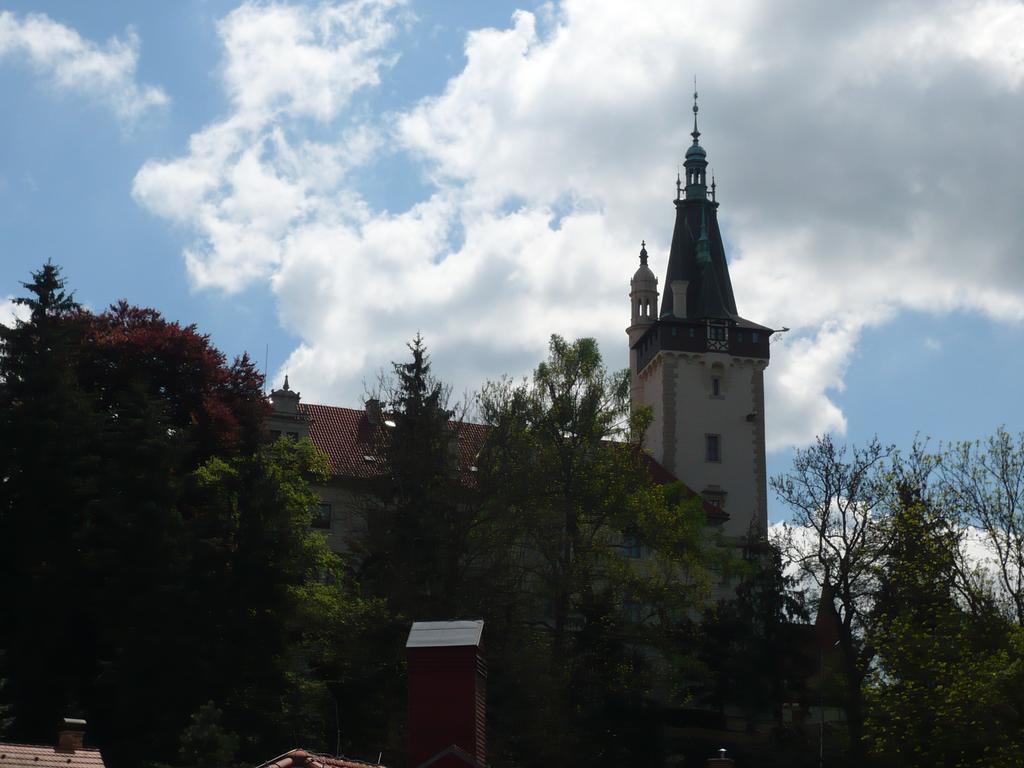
<point x="300" y="758"/>
<point x="33" y="756"/>
<point x="352" y="445"/>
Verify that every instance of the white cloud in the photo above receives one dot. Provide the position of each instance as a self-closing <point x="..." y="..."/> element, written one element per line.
<point x="75" y="64"/>
<point x="866" y="156"/>
<point x="247" y="184"/>
<point x="11" y="312"/>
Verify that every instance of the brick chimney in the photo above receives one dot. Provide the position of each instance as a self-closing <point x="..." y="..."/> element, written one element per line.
<point x="447" y="690"/>
<point x="721" y="761"/>
<point x="374" y="412"/>
<point x="71" y="735"/>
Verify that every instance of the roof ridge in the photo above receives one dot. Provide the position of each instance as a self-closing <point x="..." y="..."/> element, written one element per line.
<point x="48" y="746"/>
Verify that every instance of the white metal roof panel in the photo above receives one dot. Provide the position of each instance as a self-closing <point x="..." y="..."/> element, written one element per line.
<point x="439" y="634"/>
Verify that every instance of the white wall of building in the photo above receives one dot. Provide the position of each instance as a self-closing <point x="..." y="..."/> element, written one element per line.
<point x="678" y="388"/>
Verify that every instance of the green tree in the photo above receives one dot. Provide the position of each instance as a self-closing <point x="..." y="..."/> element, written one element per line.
<point x="982" y="484"/>
<point x="747" y="641"/>
<point x="946" y="688"/>
<point x="576" y="503"/>
<point x="157" y="553"/>
<point x="839" y="498"/>
<point x="205" y="743"/>
<point x="416" y="536"/>
<point x="47" y="425"/>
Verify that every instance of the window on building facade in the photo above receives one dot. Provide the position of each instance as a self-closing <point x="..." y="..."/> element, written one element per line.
<point x="716" y="386"/>
<point x="322" y="517"/>
<point x="275" y="433"/>
<point x="712" y="447"/>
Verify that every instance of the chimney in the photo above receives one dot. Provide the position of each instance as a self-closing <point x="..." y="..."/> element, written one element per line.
<point x="70" y="735"/>
<point x="374" y="414"/>
<point x="447" y="690"/>
<point x="721" y="761"/>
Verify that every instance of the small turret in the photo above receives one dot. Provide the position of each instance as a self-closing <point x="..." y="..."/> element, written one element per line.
<point x="643" y="299"/>
<point x="643" y="291"/>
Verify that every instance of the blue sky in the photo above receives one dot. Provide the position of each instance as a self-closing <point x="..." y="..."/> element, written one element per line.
<point x="327" y="179"/>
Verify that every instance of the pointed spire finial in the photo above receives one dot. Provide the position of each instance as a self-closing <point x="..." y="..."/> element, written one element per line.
<point x="679" y="184"/>
<point x="286" y="387"/>
<point x="643" y="252"/>
<point x="696" y="133"/>
<point x="712" y="185"/>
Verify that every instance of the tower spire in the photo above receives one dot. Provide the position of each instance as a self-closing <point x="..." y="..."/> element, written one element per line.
<point x="696" y="160"/>
<point x="695" y="133"/>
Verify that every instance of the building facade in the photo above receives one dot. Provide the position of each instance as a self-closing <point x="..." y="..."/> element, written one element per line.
<point x="698" y="365"/>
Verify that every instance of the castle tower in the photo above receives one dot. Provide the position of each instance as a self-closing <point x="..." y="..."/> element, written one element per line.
<point x="699" y="366"/>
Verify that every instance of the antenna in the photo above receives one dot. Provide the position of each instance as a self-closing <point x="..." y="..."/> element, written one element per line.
<point x="266" y="362"/>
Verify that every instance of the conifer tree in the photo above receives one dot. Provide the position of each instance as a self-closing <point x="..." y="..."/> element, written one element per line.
<point x="417" y="528"/>
<point x="46" y="428"/>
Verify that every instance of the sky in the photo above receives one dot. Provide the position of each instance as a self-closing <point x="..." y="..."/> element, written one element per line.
<point x="314" y="183"/>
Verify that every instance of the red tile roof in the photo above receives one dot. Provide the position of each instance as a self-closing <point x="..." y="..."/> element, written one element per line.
<point x="300" y="758"/>
<point x="32" y="756"/>
<point x="353" y="447"/>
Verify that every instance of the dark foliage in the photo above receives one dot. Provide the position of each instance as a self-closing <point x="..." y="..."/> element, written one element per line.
<point x="156" y="554"/>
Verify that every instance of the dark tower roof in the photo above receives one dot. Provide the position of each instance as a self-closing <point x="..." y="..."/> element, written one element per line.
<point x="709" y="322"/>
<point x="698" y="255"/>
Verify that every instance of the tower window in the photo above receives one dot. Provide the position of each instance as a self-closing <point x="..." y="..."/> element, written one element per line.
<point x="717" y="332"/>
<point x="716" y="386"/>
<point x="713" y="448"/>
<point x="755" y="337"/>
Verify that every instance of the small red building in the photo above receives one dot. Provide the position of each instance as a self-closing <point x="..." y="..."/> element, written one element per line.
<point x="447" y="694"/>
